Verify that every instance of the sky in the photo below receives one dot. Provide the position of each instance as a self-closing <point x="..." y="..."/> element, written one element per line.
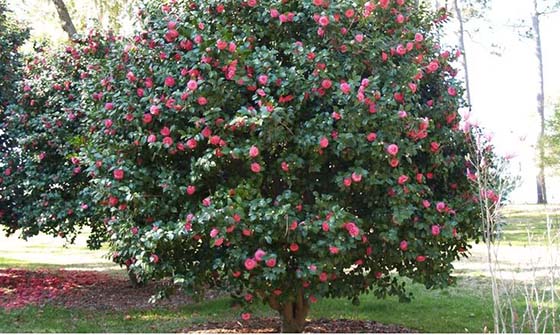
<point x="503" y="87"/>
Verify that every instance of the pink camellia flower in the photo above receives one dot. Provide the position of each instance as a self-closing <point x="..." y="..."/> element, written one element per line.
<point x="192" y="143"/>
<point x="218" y="242"/>
<point x="221" y="44"/>
<point x="418" y="37"/>
<point x="259" y="254"/>
<point x="165" y="131"/>
<point x="214" y="232"/>
<point x="118" y="174"/>
<point x="325" y="226"/>
<point x="202" y="101"/>
<point x="399" y="19"/>
<point x="167" y="141"/>
<point x="392" y="149"/>
<point x="271" y="262"/>
<point x="130" y="76"/>
<point x="323" y="277"/>
<point x="333" y="250"/>
<point x="191" y="189"/>
<point x="169" y="81"/>
<point x="255" y="167"/>
<point x="253" y="151"/>
<point x="345" y="88"/>
<point x="285" y="166"/>
<point x="426" y="203"/>
<point x="263" y="79"/>
<point x="420" y="258"/>
<point x="154" y="110"/>
<point x="274" y="13"/>
<point x="356" y="177"/>
<point x="352" y="229"/>
<point x="108" y="123"/>
<point x="433" y="66"/>
<point x="413" y="87"/>
<point x="252" y="3"/>
<point x="312" y="267"/>
<point x="452" y="91"/>
<point x="152" y="138"/>
<point x="371" y="137"/>
<point x="326" y="84"/>
<point x="109" y="106"/>
<point x="402" y="114"/>
<point x="192" y="85"/>
<point x="324" y="142"/>
<point x="434" y="147"/>
<point x="394" y="162"/>
<point x="246" y="316"/>
<point x="402" y="179"/>
<point x="435" y="230"/>
<point x="347" y="182"/>
<point x="206" y="202"/>
<point x="250" y="264"/>
<point x="134" y="230"/>
<point x="403" y="245"/>
<point x="294" y="247"/>
<point x="323" y="21"/>
<point x="440" y="206"/>
<point x="359" y="38"/>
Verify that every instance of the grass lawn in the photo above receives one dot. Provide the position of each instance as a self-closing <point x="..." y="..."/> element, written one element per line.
<point x="466" y="307"/>
<point x="459" y="309"/>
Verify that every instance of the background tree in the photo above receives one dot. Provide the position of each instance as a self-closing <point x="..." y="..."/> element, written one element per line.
<point x="65" y="19"/>
<point x="291" y="151"/>
<point x="12" y="35"/>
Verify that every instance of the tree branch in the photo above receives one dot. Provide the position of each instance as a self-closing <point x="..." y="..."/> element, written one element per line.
<point x="66" y="20"/>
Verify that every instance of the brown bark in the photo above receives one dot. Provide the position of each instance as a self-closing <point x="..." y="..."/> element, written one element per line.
<point x="541" y="183"/>
<point x="65" y="19"/>
<point x="293" y="312"/>
<point x="463" y="50"/>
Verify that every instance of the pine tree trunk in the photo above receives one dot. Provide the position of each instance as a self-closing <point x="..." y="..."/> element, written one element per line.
<point x="292" y="313"/>
<point x="65" y="19"/>
<point x="463" y="50"/>
<point x="541" y="183"/>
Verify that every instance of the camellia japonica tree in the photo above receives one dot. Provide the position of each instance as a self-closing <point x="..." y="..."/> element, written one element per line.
<point x="288" y="150"/>
<point x="42" y="175"/>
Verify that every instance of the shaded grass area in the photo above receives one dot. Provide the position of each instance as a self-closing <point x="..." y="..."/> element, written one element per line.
<point x="458" y="309"/>
<point x="527" y="224"/>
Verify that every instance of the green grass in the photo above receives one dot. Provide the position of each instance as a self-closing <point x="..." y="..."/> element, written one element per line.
<point x="458" y="309"/>
<point x="524" y="221"/>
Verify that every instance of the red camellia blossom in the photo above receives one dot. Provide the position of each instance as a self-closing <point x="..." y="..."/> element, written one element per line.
<point x="402" y="179"/>
<point x="324" y="142"/>
<point x="294" y="247"/>
<point x="435" y="230"/>
<point x="118" y="174"/>
<point x="255" y="167"/>
<point x="250" y="264"/>
<point x="169" y="81"/>
<point x="403" y="245"/>
<point x="271" y="262"/>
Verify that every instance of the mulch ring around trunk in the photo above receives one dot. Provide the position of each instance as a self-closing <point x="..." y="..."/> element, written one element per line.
<point x="272" y="325"/>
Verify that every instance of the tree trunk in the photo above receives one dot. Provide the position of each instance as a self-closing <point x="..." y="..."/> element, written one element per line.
<point x="65" y="19"/>
<point x="463" y="50"/>
<point x="293" y="313"/>
<point x="541" y="184"/>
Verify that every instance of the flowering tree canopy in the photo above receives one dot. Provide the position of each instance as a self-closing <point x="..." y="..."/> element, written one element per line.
<point x="289" y="150"/>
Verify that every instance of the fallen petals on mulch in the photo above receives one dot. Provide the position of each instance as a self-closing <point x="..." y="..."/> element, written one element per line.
<point x="80" y="289"/>
<point x="19" y="288"/>
<point x="272" y="325"/>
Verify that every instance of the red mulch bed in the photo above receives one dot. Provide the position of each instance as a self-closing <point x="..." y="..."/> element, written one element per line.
<point x="77" y="289"/>
<point x="272" y="325"/>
